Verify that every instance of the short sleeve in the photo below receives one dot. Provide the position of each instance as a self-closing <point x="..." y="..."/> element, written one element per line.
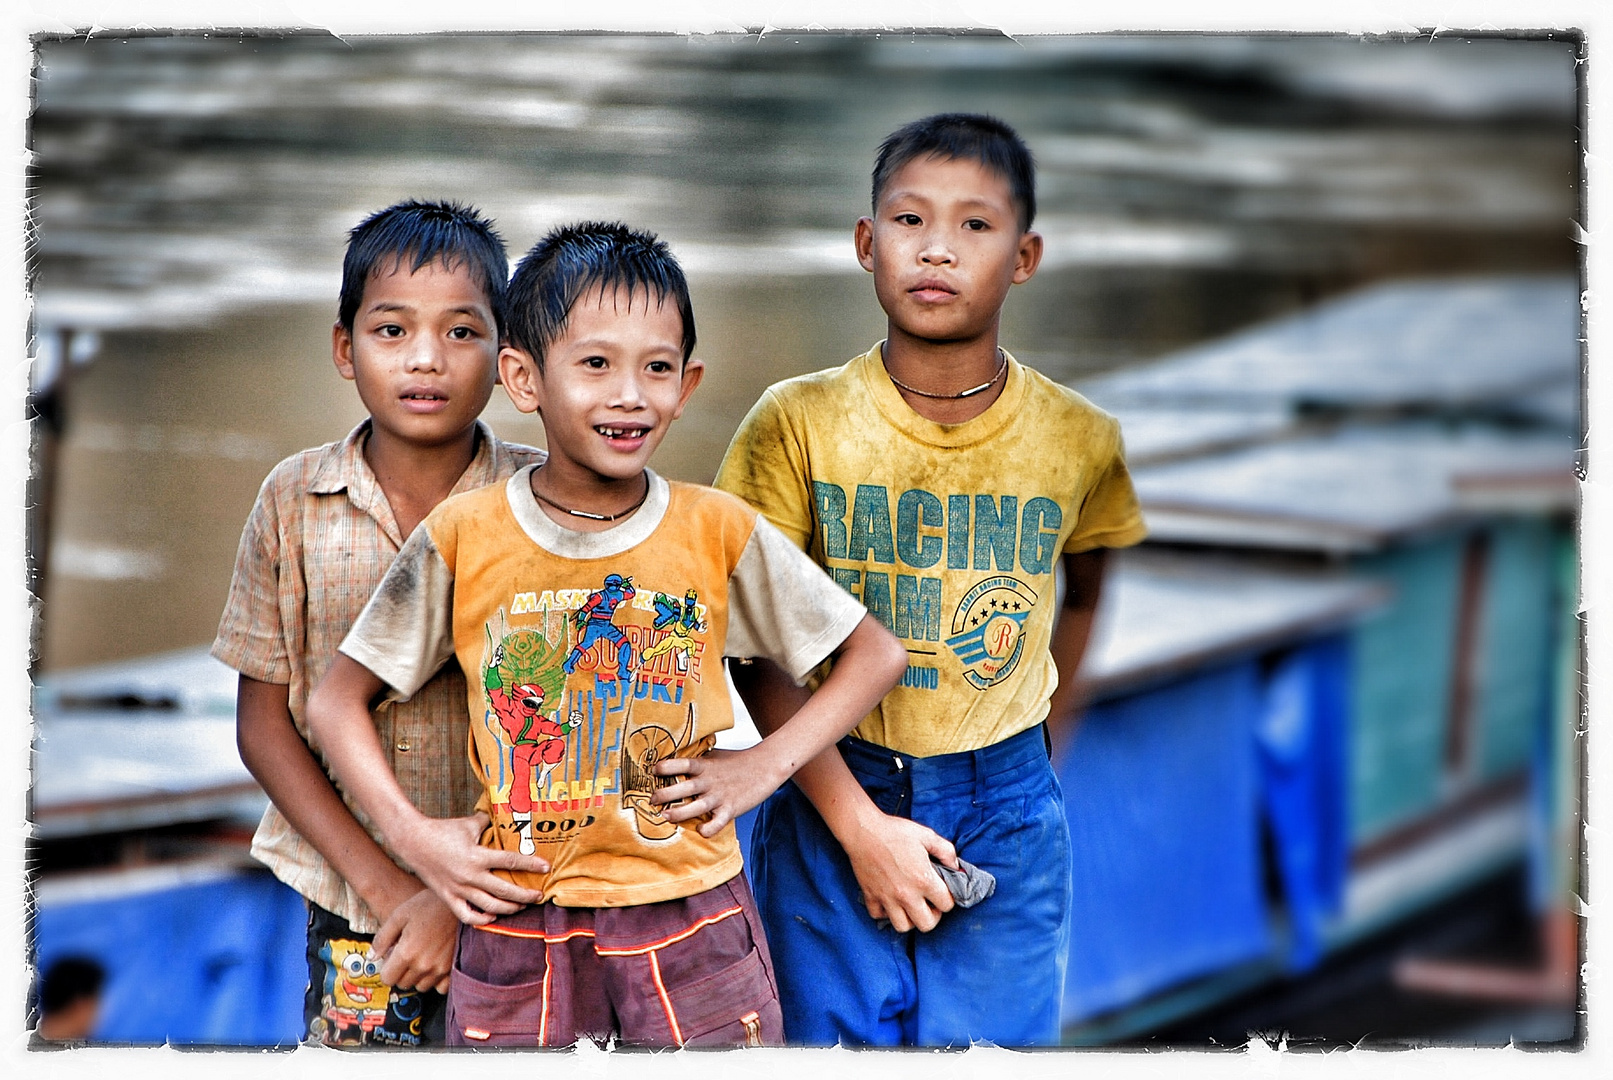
<point x="405" y="634"/>
<point x="250" y="635"/>
<point x="1110" y="515"/>
<point x="782" y="606"/>
<point x="765" y="467"/>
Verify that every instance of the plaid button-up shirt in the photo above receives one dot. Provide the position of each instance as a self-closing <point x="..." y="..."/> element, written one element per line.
<point x="315" y="546"/>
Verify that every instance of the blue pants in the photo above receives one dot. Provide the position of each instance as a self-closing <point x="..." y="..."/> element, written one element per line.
<point x="994" y="972"/>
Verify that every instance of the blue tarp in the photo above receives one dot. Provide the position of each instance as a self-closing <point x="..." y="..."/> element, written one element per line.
<point x="1303" y="738"/>
<point x="1162" y="791"/>
<point x="217" y="962"/>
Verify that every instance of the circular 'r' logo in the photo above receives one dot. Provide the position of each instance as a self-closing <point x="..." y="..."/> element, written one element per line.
<point x="988" y="629"/>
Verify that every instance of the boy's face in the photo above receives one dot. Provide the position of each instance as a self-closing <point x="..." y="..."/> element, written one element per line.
<point x="611" y="384"/>
<point x="423" y="351"/>
<point x="944" y="246"/>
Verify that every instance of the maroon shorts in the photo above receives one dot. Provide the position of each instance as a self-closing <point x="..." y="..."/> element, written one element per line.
<point x="688" y="972"/>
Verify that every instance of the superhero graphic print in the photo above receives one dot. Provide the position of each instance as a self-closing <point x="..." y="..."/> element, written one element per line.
<point x="585" y="691"/>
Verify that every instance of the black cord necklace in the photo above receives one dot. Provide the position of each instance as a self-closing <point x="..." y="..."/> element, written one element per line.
<point x="971" y="392"/>
<point x="541" y="497"/>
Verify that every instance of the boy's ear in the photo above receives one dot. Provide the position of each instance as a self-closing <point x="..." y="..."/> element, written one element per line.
<point x="1029" y="257"/>
<point x="693" y="371"/>
<point x="863" y="237"/>
<point x="341" y="350"/>
<point x="518" y="372"/>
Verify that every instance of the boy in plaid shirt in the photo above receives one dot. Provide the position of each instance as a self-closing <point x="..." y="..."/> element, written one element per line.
<point x="421" y="316"/>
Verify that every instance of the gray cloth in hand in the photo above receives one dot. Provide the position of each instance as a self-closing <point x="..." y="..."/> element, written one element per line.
<point x="968" y="885"/>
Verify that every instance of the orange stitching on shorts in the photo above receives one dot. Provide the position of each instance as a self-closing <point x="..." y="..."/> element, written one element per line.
<point x="543" y="1017"/>
<point x="535" y="935"/>
<point x="666" y="1002"/>
<point x="635" y="950"/>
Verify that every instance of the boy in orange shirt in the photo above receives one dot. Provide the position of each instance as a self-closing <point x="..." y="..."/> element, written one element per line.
<point x="557" y="592"/>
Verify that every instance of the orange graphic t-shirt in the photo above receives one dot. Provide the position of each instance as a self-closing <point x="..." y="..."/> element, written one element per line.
<point x="588" y="658"/>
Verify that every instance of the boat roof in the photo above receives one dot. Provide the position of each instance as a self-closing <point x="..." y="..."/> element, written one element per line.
<point x="1164" y="615"/>
<point x="1442" y="344"/>
<point x="139" y="744"/>
<point x="1356" y="488"/>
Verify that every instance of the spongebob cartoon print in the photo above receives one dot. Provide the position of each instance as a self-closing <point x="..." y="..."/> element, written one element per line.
<point x="681" y="621"/>
<point x="596" y="619"/>
<point x="356" y="999"/>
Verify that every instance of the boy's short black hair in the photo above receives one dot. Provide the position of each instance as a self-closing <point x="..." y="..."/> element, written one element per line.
<point x="446" y="232"/>
<point x="970" y="136"/>
<point x="571" y="261"/>
<point x="68" y="980"/>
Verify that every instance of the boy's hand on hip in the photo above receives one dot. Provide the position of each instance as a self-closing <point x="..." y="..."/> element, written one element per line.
<point x="722" y="783"/>
<point x="891" y="858"/>
<point x="447" y="855"/>
<point x="417" y="943"/>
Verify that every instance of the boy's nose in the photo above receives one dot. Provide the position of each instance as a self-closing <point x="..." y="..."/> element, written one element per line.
<point x="935" y="252"/>
<point x="627" y="390"/>
<point x="425" y="355"/>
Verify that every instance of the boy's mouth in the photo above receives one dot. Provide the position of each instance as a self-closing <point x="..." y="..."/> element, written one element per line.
<point x="623" y="436"/>
<point x="932" y="291"/>
<point x="422" y="399"/>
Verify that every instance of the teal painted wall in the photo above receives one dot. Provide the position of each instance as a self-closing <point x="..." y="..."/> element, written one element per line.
<point x="1516" y="645"/>
<point x="1402" y="672"/>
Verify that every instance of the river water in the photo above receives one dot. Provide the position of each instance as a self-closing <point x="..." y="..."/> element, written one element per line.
<point x="192" y="193"/>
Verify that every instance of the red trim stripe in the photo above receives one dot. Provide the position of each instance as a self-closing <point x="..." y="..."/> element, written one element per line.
<point x="666" y="1002"/>
<point x="536" y="935"/>
<point x="679" y="936"/>
<point x="543" y="1017"/>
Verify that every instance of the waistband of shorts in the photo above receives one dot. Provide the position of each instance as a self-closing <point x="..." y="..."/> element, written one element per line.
<point x="874" y="762"/>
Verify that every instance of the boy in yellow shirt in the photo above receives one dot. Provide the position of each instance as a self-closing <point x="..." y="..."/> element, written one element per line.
<point x="940" y="482"/>
<point x="593" y="743"/>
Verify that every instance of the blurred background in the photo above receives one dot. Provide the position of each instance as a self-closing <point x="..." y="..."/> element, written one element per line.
<point x="1330" y="286"/>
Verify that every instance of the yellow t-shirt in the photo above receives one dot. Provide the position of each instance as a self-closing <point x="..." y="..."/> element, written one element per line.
<point x="591" y="656"/>
<point x="948" y="533"/>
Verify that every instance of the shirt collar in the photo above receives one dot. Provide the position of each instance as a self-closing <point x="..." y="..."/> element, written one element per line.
<point x="343" y="467"/>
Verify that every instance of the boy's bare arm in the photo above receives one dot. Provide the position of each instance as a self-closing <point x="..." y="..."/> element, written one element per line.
<point x="889" y="855"/>
<point x="445" y="853"/>
<point x="1083" y="584"/>
<point x="281" y="762"/>
<point x="726" y="784"/>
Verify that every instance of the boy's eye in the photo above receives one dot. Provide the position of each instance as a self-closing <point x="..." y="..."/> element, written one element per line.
<point x="596" y="362"/>
<point x="660" y="367"/>
<point x="389" y="330"/>
<point x="976" y="225"/>
<point x="461" y="333"/>
<point x="908" y="219"/>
